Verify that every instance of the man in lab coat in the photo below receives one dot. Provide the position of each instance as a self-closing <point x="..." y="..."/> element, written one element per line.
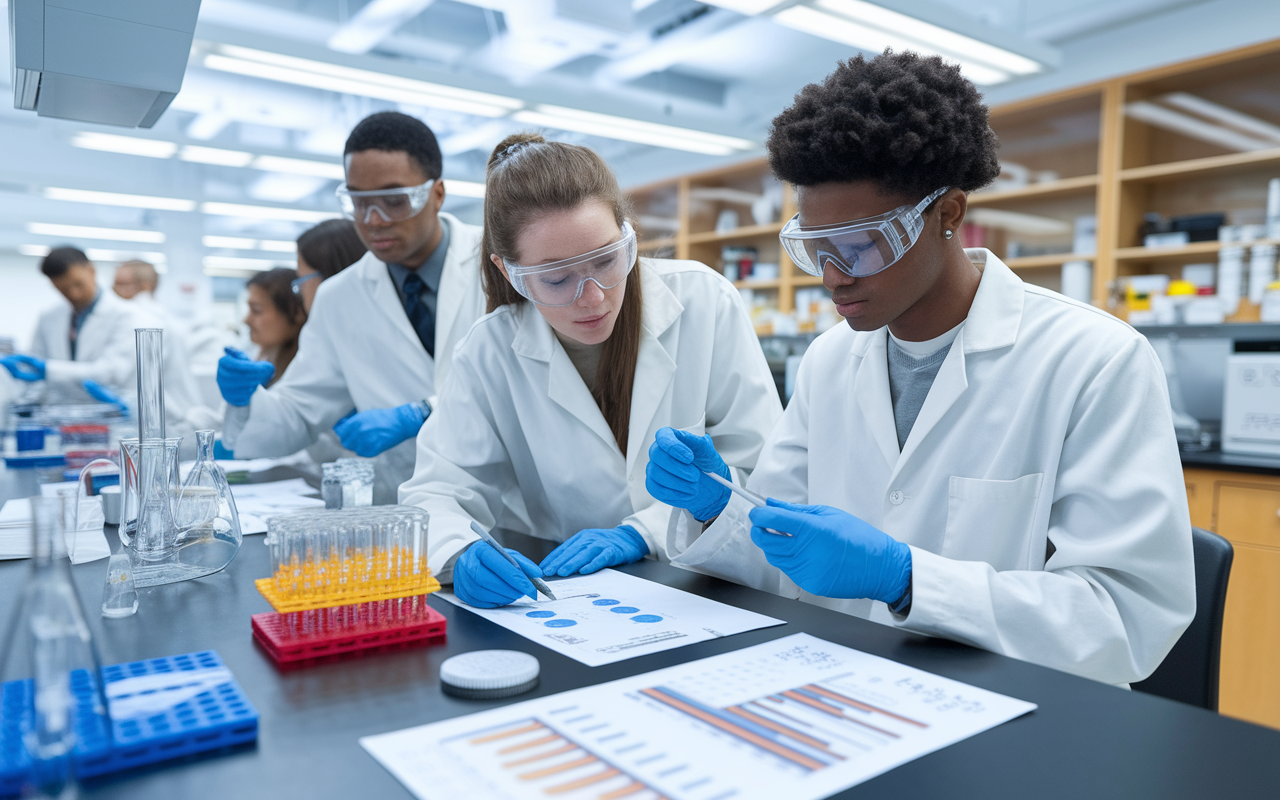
<point x="970" y="456"/>
<point x="83" y="350"/>
<point x="379" y="339"/>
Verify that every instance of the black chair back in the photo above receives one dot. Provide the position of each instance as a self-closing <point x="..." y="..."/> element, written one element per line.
<point x="1190" y="672"/>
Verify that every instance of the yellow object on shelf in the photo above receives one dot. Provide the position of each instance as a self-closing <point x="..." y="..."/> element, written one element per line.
<point x="1177" y="288"/>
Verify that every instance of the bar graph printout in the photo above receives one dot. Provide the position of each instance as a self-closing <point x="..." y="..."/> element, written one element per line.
<point x="796" y="718"/>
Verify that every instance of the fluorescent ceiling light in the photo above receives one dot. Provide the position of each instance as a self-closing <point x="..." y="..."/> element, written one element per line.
<point x="299" y="166"/>
<point x="360" y="82"/>
<point x="373" y="23"/>
<point x="124" y="255"/>
<point x="939" y="39"/>
<point x="234" y="264"/>
<point x="1187" y="125"/>
<point x="232" y="242"/>
<point x="115" y="199"/>
<point x="215" y="155"/>
<point x="1223" y="114"/>
<point x="37" y="250"/>
<point x="129" y="145"/>
<point x="463" y="188"/>
<point x="85" y="232"/>
<point x="630" y="130"/>
<point x="244" y="243"/>
<point x="747" y="7"/>
<point x="266" y="212"/>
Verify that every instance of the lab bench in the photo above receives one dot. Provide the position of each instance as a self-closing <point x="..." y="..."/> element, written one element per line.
<point x="1238" y="497"/>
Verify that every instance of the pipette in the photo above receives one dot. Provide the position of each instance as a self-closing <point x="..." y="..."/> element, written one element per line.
<point x="538" y="583"/>
<point x="750" y="496"/>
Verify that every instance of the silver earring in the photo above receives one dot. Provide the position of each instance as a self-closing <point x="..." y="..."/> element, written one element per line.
<point x="948" y="234"/>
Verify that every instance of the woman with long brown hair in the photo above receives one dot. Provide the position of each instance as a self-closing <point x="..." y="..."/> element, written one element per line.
<point x="545" y="422"/>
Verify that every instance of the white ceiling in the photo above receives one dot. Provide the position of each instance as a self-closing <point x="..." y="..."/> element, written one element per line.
<point x="678" y="62"/>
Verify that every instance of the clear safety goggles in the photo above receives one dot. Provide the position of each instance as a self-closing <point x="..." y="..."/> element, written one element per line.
<point x="560" y="283"/>
<point x="393" y="205"/>
<point x="859" y="248"/>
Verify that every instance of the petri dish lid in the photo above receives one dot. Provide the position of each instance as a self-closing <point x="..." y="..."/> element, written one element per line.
<point x="489" y="673"/>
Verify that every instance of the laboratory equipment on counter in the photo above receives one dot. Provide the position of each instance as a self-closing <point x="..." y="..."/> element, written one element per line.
<point x="173" y="534"/>
<point x="53" y="713"/>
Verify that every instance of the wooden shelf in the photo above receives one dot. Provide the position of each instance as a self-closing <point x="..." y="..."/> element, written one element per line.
<point x="1184" y="251"/>
<point x="1051" y="260"/>
<point x="655" y="244"/>
<point x="747" y="232"/>
<point x="772" y="283"/>
<point x="1066" y="186"/>
<point x="1177" y="170"/>
<point x="805" y="279"/>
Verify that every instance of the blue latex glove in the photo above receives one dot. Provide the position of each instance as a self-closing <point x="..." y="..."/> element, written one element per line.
<point x="832" y="553"/>
<point x="677" y="460"/>
<point x="594" y="549"/>
<point x="102" y="394"/>
<point x="24" y="368"/>
<point x="484" y="579"/>
<point x="221" y="452"/>
<point x="239" y="376"/>
<point x="371" y="432"/>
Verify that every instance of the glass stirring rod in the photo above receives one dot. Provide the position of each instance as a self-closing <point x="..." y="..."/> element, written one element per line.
<point x="750" y="496"/>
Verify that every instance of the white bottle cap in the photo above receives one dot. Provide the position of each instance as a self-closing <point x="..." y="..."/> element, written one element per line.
<point x="489" y="674"/>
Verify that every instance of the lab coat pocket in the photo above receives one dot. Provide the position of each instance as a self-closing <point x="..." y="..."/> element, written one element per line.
<point x="992" y="521"/>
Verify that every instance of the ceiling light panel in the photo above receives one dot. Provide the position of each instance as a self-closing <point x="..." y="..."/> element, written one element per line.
<point x="128" y="145"/>
<point x="300" y="166"/>
<point x="274" y="213"/>
<point x="463" y="188"/>
<point x="231" y="242"/>
<point x="234" y="264"/>
<point x="360" y="82"/>
<point x="86" y="232"/>
<point x="215" y="155"/>
<point x="116" y="199"/>
<point x="96" y="254"/>
<point x="631" y="130"/>
<point x="748" y="7"/>
<point x="373" y="23"/>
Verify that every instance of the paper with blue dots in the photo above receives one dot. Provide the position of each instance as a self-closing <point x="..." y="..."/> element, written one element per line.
<point x="612" y="616"/>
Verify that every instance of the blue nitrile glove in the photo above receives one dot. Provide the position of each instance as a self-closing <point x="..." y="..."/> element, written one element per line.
<point x="832" y="553"/>
<point x="484" y="579"/>
<point x="220" y="451"/>
<point x="24" y="368"/>
<point x="371" y="432"/>
<point x="102" y="394"/>
<point x="677" y="460"/>
<point x="239" y="376"/>
<point x="594" y="549"/>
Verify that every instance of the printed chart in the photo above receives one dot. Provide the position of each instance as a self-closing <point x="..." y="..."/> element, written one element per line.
<point x="610" y="616"/>
<point x="797" y="717"/>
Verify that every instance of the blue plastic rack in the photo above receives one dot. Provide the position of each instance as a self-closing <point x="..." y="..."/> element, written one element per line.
<point x="220" y="716"/>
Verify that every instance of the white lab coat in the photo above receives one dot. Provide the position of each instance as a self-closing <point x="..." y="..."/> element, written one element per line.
<point x="105" y="351"/>
<point x="517" y="419"/>
<point x="1047" y="428"/>
<point x="359" y="351"/>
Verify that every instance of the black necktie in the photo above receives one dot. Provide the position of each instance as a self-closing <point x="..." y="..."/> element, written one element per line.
<point x="420" y="317"/>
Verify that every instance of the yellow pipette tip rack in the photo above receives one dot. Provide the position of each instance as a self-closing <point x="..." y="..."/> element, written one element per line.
<point x="332" y="558"/>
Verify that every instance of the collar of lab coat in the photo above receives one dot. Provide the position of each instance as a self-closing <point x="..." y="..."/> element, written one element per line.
<point x="536" y="340"/>
<point x="462" y="249"/>
<point x="992" y="323"/>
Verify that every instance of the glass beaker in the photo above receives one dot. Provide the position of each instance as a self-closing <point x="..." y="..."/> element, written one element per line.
<point x="208" y="523"/>
<point x="52" y="690"/>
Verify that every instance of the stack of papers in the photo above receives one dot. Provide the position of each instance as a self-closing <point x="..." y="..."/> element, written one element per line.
<point x="87" y="544"/>
<point x="256" y="502"/>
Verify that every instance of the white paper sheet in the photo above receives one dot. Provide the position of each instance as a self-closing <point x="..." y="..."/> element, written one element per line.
<point x="796" y="718"/>
<point x="255" y="502"/>
<point x="88" y="544"/>
<point x="611" y="616"/>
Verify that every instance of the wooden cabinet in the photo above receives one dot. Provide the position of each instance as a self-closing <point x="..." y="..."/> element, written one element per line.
<point x="1245" y="508"/>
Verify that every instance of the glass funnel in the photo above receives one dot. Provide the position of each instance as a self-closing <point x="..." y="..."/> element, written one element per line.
<point x="52" y="706"/>
<point x="208" y="524"/>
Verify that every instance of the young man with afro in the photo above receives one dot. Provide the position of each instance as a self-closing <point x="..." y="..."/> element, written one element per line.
<point x="970" y="457"/>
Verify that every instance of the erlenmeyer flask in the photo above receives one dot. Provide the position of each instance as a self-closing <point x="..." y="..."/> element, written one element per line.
<point x="53" y="700"/>
<point x="208" y="526"/>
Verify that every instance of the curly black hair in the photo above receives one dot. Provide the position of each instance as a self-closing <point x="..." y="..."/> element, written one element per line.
<point x="392" y="131"/>
<point x="906" y="122"/>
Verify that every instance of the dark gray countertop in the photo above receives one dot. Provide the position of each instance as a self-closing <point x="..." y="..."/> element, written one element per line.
<point x="1216" y="459"/>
